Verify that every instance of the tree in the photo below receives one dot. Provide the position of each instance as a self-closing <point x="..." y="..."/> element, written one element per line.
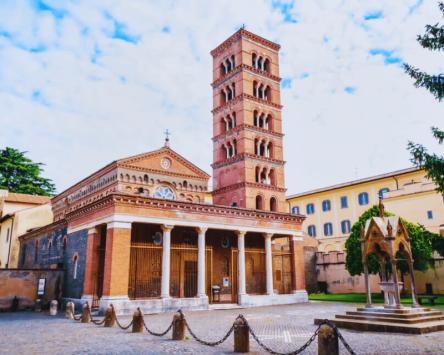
<point x="432" y="163"/>
<point x="421" y="241"/>
<point x="433" y="39"/>
<point x="20" y="174"/>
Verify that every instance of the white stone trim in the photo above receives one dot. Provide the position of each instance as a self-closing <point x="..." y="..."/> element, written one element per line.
<point x="125" y="219"/>
<point x="121" y="225"/>
<point x="297" y="239"/>
<point x="92" y="231"/>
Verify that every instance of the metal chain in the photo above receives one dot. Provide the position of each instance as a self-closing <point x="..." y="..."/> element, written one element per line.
<point x="78" y="318"/>
<point x="204" y="342"/>
<point x="121" y="326"/>
<point x="98" y="322"/>
<point x="158" y="334"/>
<point x="271" y="351"/>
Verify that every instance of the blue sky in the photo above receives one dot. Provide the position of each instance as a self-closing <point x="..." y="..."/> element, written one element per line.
<point x="85" y="82"/>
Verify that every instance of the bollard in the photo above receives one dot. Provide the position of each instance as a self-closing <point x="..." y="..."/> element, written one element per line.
<point x="327" y="341"/>
<point x="110" y="317"/>
<point x="53" y="308"/>
<point x="138" y="321"/>
<point x="178" y="327"/>
<point x="38" y="305"/>
<point x="241" y="336"/>
<point x="86" y="313"/>
<point x="70" y="310"/>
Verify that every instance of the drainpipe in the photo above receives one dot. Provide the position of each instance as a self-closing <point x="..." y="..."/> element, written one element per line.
<point x="397" y="184"/>
<point x="10" y="241"/>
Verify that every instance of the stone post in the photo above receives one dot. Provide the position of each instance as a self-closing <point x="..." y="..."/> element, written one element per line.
<point x="242" y="289"/>
<point x="86" y="313"/>
<point x="137" y="321"/>
<point x="53" y="308"/>
<point x="110" y="317"/>
<point x="327" y="341"/>
<point x="166" y="253"/>
<point x="70" y="310"/>
<point x="178" y="327"/>
<point x="269" y="263"/>
<point x="201" y="292"/>
<point x="241" y="336"/>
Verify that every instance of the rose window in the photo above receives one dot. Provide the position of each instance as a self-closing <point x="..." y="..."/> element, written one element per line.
<point x="164" y="192"/>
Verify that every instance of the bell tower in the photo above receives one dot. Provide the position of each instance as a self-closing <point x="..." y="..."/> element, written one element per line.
<point x="248" y="165"/>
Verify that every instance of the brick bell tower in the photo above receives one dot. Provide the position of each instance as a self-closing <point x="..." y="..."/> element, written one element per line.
<point x="248" y="165"/>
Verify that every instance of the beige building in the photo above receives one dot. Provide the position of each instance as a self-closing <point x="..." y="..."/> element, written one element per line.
<point x="18" y="214"/>
<point x="331" y="211"/>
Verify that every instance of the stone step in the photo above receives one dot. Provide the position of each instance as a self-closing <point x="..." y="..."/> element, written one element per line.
<point x="398" y="315"/>
<point x="395" y="310"/>
<point x="377" y="326"/>
<point x="376" y="317"/>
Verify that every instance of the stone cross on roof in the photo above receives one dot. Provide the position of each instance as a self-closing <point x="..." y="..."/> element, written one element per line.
<point x="167" y="137"/>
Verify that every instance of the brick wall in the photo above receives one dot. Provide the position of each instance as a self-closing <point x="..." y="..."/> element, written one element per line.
<point x="311" y="282"/>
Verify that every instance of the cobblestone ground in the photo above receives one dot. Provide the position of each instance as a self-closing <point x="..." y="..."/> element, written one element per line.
<point x="283" y="328"/>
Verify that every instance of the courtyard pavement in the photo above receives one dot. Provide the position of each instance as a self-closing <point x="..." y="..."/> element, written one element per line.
<point x="283" y="328"/>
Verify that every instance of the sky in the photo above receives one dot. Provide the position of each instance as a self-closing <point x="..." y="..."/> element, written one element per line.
<point x="86" y="82"/>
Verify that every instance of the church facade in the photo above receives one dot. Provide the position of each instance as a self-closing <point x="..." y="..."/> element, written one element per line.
<point x="145" y="231"/>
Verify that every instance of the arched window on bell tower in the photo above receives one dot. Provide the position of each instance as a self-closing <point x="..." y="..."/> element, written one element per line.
<point x="259" y="202"/>
<point x="273" y="204"/>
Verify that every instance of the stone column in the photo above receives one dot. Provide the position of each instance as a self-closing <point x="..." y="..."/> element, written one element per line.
<point x="117" y="261"/>
<point x="413" y="284"/>
<point x="166" y="252"/>
<point x="201" y="271"/>
<point x="90" y="265"/>
<point x="268" y="263"/>
<point x="242" y="288"/>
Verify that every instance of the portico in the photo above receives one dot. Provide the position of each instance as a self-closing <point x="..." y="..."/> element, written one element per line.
<point x="193" y="261"/>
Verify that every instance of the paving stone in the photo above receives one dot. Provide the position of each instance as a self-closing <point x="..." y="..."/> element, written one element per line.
<point x="282" y="328"/>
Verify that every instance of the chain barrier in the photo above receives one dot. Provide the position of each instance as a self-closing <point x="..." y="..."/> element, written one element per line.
<point x="233" y="327"/>
<point x="204" y="342"/>
<point x="158" y="334"/>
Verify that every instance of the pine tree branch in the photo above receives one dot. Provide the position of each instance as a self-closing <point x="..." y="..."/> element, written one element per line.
<point x="433" y="38"/>
<point x="433" y="83"/>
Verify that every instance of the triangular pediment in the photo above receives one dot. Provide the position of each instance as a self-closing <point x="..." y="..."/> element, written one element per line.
<point x="164" y="160"/>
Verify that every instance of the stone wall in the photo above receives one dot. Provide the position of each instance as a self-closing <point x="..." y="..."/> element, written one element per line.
<point x="22" y="283"/>
<point x="57" y="250"/>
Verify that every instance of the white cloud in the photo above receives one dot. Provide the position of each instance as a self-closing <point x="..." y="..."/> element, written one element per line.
<point x="101" y="98"/>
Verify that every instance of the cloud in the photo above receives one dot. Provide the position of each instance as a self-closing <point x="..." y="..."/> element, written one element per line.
<point x="373" y="15"/>
<point x="86" y="82"/>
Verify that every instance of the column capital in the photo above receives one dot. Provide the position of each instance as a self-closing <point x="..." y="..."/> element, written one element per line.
<point x="92" y="230"/>
<point x="241" y="233"/>
<point x="201" y="229"/>
<point x="167" y="227"/>
<point x="121" y="225"/>
<point x="267" y="235"/>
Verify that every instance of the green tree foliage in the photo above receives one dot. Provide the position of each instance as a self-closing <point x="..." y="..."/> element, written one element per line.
<point x="20" y="174"/>
<point x="421" y="241"/>
<point x="432" y="163"/>
<point x="433" y="39"/>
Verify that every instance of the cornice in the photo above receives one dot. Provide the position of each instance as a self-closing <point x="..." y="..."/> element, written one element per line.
<point x="162" y="172"/>
<point x="248" y="184"/>
<point x="216" y="210"/>
<point x="44" y="230"/>
<point x="248" y="127"/>
<point x="240" y="68"/>
<point x="247" y="34"/>
<point x="245" y="156"/>
<point x="248" y="97"/>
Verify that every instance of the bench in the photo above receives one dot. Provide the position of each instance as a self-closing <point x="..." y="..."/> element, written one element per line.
<point x="430" y="298"/>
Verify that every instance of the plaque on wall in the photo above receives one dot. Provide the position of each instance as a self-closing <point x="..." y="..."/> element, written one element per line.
<point x="226" y="281"/>
<point x="41" y="287"/>
<point x="157" y="238"/>
<point x="225" y="243"/>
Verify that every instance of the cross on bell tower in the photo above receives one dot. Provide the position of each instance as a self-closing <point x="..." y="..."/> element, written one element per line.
<point x="248" y="165"/>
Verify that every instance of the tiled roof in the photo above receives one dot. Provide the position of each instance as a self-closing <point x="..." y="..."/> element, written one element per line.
<point x="25" y="198"/>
